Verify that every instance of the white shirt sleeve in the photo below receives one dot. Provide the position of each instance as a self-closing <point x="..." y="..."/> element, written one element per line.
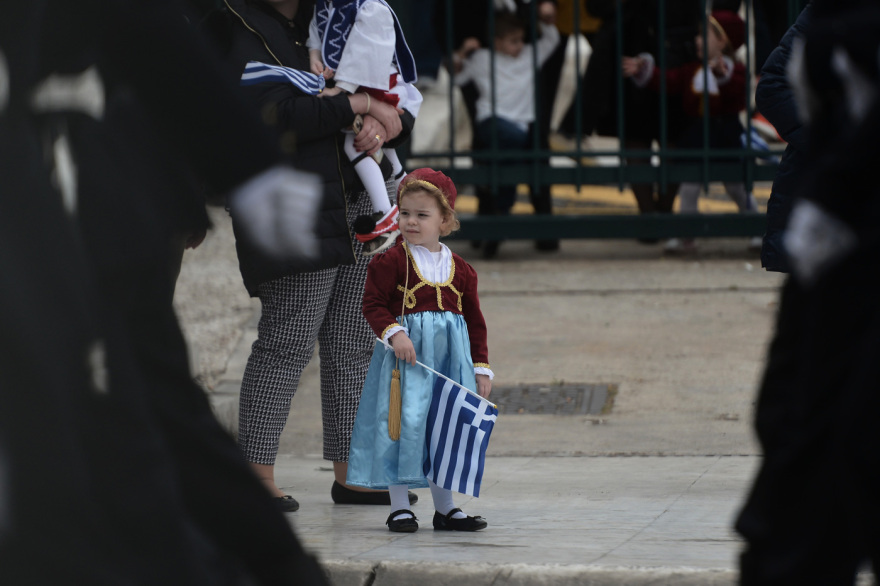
<point x="473" y="67"/>
<point x="548" y="41"/>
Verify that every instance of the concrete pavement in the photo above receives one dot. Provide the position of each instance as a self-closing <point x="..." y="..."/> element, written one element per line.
<point x="644" y="493"/>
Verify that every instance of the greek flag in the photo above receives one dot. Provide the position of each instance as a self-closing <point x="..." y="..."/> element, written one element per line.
<point x="306" y="82"/>
<point x="459" y="424"/>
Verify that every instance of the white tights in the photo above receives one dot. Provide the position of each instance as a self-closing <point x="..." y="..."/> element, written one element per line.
<point x="371" y="175"/>
<point x="442" y="500"/>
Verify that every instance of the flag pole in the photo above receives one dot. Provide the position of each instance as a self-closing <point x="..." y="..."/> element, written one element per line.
<point x="443" y="376"/>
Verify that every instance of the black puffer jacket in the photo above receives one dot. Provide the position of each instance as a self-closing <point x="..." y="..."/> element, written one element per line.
<point x="309" y="129"/>
<point x="775" y="100"/>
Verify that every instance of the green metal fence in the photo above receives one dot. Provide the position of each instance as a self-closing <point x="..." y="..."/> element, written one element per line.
<point x="669" y="165"/>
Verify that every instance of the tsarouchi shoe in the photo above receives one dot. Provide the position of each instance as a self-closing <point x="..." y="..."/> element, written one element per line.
<point x="367" y="227"/>
<point x="380" y="243"/>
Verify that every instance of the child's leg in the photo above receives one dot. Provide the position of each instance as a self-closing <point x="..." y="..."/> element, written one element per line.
<point x="370" y="174"/>
<point x="450" y="518"/>
<point x="744" y="200"/>
<point x="399" y="494"/>
<point x="443" y="501"/>
<point x="401" y="519"/>
<point x="688" y="194"/>
<point x="746" y="203"/>
<point x="397" y="170"/>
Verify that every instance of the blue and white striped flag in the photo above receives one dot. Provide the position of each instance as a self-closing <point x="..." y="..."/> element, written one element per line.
<point x="459" y="424"/>
<point x="305" y="81"/>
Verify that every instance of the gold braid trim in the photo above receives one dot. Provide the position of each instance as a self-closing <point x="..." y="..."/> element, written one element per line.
<point x="385" y="331"/>
<point x="409" y="296"/>
<point x="422" y="182"/>
<point x="482" y="365"/>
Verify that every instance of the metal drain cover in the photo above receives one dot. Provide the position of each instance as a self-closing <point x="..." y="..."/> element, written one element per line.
<point x="555" y="399"/>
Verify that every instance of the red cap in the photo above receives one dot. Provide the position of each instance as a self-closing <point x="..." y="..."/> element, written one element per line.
<point x="731" y="25"/>
<point x="433" y="178"/>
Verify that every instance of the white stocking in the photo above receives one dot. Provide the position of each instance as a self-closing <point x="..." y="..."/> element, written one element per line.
<point x="371" y="176"/>
<point x="396" y="168"/>
<point x="399" y="494"/>
<point x="443" y="501"/>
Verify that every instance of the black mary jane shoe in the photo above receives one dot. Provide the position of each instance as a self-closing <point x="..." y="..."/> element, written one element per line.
<point x="447" y="523"/>
<point x="342" y="495"/>
<point x="286" y="503"/>
<point x="405" y="525"/>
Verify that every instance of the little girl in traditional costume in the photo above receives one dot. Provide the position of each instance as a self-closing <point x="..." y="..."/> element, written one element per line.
<point x="421" y="299"/>
<point x="359" y="43"/>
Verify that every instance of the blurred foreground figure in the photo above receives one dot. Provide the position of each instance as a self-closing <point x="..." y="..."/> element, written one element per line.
<point x="813" y="515"/>
<point x="113" y="469"/>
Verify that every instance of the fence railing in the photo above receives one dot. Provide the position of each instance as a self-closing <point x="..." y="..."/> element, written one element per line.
<point x="539" y="167"/>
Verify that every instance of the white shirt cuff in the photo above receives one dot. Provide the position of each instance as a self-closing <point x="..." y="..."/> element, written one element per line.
<point x="728" y="63"/>
<point x="348" y="87"/>
<point x="393" y="331"/>
<point x="645" y="74"/>
<point x="483" y="370"/>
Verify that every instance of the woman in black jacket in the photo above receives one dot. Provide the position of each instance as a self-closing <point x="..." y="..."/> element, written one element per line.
<point x="319" y="299"/>
<point x="775" y="100"/>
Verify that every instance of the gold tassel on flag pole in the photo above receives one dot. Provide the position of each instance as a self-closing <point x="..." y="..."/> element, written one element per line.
<point x="395" y="401"/>
<point x="394" y="405"/>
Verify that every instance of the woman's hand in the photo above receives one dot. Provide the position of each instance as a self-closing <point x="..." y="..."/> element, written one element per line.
<point x="388" y="116"/>
<point x="403" y="348"/>
<point x="484" y="385"/>
<point x="371" y="136"/>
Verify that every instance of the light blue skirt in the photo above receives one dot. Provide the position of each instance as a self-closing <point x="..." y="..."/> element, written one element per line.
<point x="375" y="460"/>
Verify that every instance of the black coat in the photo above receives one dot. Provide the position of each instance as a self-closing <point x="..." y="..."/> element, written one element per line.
<point x="309" y="128"/>
<point x="93" y="367"/>
<point x="640" y="35"/>
<point x="775" y="101"/>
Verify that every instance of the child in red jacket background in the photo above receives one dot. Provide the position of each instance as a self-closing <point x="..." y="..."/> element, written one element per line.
<point x="725" y="83"/>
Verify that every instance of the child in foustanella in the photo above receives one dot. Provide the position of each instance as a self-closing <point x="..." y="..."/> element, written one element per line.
<point x="421" y="299"/>
<point x="360" y="44"/>
<point x="725" y="83"/>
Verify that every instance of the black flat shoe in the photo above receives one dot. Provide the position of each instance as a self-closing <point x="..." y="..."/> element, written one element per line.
<point x="286" y="503"/>
<point x="447" y="523"/>
<point x="342" y="495"/>
<point x="407" y="525"/>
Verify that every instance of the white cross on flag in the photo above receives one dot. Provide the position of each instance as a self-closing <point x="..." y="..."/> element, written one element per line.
<point x="459" y="424"/>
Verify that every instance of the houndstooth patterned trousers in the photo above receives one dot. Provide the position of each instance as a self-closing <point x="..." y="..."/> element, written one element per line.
<point x="297" y="310"/>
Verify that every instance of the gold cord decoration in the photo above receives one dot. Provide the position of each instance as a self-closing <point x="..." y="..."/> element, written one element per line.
<point x="395" y="402"/>
<point x="409" y="295"/>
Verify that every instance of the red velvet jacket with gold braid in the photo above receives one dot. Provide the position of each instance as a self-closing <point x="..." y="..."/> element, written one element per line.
<point x="383" y="296"/>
